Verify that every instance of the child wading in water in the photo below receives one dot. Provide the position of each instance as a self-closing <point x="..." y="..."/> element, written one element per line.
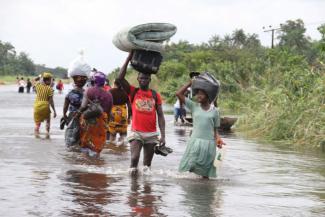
<point x="200" y="152"/>
<point x="43" y="101"/>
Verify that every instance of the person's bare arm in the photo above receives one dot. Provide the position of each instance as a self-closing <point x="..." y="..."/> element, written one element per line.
<point x="181" y="92"/>
<point x="123" y="69"/>
<point x="161" y="124"/>
<point x="218" y="139"/>
<point x="51" y="101"/>
<point x="65" y="108"/>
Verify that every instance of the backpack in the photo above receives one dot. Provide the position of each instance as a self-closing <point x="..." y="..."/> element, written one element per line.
<point x="153" y="92"/>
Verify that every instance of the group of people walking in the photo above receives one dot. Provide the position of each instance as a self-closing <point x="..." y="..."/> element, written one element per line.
<point x="99" y="111"/>
<point x="22" y="85"/>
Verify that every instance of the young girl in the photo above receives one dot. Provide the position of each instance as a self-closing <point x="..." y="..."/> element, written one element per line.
<point x="201" y="147"/>
<point x="43" y="101"/>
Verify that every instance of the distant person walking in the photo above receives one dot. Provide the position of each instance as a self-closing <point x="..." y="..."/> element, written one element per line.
<point x="43" y="102"/>
<point x="178" y="111"/>
<point x="59" y="86"/>
<point x="28" y="85"/>
<point x="21" y="85"/>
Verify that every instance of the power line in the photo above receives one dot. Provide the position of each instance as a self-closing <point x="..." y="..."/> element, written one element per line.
<point x="272" y="31"/>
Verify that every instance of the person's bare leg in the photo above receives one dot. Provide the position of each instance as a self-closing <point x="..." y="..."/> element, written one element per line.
<point x="112" y="138"/>
<point x="36" y="129"/>
<point x="48" y="124"/>
<point x="121" y="139"/>
<point x="148" y="152"/>
<point x="135" y="148"/>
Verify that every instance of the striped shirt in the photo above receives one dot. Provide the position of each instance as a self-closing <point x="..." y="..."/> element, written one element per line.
<point x="43" y="92"/>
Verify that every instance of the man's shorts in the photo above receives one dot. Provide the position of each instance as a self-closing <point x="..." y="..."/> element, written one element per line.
<point x="144" y="138"/>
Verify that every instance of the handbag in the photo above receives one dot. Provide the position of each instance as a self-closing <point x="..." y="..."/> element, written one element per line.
<point x="94" y="110"/>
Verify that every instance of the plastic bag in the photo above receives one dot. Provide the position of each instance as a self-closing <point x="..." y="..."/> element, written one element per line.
<point x="220" y="156"/>
<point x="79" y="67"/>
<point x="72" y="133"/>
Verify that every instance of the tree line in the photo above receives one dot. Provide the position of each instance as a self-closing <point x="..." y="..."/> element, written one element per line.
<point x="21" y="64"/>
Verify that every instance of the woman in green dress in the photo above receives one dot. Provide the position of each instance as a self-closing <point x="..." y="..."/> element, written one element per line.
<point x="201" y="147"/>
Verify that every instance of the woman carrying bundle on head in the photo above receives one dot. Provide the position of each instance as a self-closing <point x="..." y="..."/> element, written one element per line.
<point x="79" y="71"/>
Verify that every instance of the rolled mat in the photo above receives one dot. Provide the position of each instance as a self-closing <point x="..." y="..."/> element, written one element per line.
<point x="149" y="36"/>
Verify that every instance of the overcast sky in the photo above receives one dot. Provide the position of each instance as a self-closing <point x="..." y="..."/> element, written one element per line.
<point x="52" y="31"/>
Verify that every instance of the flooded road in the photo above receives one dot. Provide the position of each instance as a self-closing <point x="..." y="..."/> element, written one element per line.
<point x="39" y="177"/>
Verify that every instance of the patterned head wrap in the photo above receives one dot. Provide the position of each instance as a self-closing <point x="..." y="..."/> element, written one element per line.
<point x="47" y="75"/>
<point x="99" y="78"/>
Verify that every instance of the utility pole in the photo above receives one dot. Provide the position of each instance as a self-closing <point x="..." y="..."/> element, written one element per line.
<point x="271" y="30"/>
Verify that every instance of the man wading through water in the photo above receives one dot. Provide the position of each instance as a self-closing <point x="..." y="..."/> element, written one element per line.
<point x="145" y="103"/>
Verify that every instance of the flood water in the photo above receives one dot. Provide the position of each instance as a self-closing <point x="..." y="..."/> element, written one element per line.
<point x="40" y="177"/>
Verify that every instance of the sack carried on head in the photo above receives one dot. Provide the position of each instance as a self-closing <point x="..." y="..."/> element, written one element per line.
<point x="94" y="110"/>
<point x="147" y="62"/>
<point x="208" y="84"/>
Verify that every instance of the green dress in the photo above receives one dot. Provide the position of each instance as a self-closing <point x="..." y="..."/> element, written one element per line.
<point x="201" y="147"/>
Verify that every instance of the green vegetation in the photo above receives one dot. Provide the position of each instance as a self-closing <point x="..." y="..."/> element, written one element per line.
<point x="279" y="93"/>
<point x="13" y="64"/>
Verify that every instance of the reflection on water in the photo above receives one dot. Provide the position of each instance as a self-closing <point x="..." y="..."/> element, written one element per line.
<point x="89" y="191"/>
<point x="202" y="197"/>
<point x="42" y="178"/>
<point x="142" y="199"/>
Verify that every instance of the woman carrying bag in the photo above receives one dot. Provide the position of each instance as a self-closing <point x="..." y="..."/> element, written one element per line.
<point x="95" y="109"/>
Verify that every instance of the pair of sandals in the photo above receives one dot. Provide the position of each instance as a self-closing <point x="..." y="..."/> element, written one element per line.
<point x="162" y="150"/>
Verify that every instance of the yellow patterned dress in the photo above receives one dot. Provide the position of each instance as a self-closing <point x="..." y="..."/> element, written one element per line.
<point x="42" y="110"/>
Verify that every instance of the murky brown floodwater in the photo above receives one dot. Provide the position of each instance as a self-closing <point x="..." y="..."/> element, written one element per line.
<point x="39" y="177"/>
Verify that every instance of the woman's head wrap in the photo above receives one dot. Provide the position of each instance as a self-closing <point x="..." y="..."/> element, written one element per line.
<point x="99" y="78"/>
<point x="47" y="75"/>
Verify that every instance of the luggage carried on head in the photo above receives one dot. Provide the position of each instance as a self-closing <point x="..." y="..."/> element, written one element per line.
<point x="146" y="42"/>
<point x="208" y="84"/>
<point x="147" y="62"/>
<point x="148" y="36"/>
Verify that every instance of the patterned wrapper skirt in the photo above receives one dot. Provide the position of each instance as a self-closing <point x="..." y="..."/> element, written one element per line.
<point x="93" y="132"/>
<point x="118" y="120"/>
